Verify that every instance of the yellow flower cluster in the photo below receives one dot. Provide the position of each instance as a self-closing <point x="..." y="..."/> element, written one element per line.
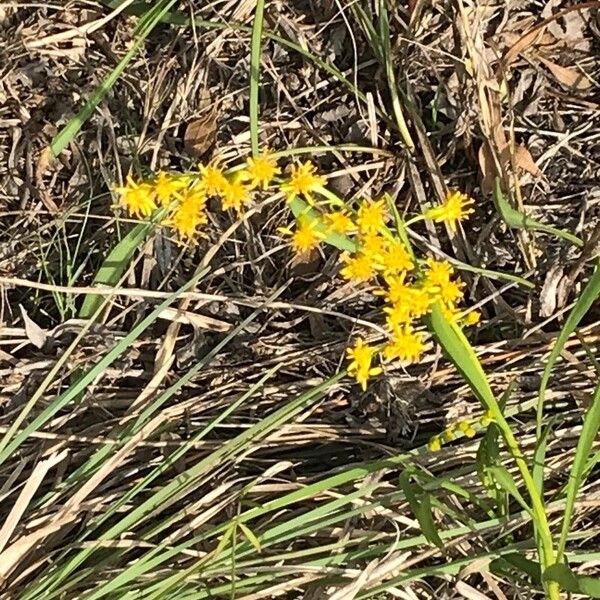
<point x="185" y="197"/>
<point x="466" y="428"/>
<point x="410" y="287"/>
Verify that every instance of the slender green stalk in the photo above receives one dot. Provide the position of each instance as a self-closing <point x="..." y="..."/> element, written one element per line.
<point x="255" y="55"/>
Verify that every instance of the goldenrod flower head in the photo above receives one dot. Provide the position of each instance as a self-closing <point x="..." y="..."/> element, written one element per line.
<point x="454" y="209"/>
<point x="235" y="194"/>
<point x="261" y="170"/>
<point x="471" y="318"/>
<point x="407" y="345"/>
<point x="359" y="267"/>
<point x="416" y="299"/>
<point x="396" y="259"/>
<point x="166" y="187"/>
<point x="212" y="180"/>
<point x="435" y="444"/>
<point x="305" y="237"/>
<point x="137" y="198"/>
<point x="339" y="222"/>
<point x="361" y="356"/>
<point x="438" y="272"/>
<point x="374" y="245"/>
<point x="451" y="292"/>
<point x="371" y="216"/>
<point x="397" y="316"/>
<point x="188" y="217"/>
<point x="467" y="428"/>
<point x="304" y="180"/>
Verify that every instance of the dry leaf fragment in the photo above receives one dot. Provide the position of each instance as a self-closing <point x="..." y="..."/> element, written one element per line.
<point x="569" y="77"/>
<point x="35" y="334"/>
<point x="201" y="133"/>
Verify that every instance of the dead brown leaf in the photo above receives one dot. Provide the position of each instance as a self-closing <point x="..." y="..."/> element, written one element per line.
<point x="489" y="169"/>
<point x="201" y="133"/>
<point x="529" y="38"/>
<point x="569" y="77"/>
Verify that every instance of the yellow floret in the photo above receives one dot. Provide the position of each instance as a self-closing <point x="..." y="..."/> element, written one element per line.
<point x="304" y="180"/>
<point x="371" y="216"/>
<point x="406" y="345"/>
<point x="235" y="194"/>
<point x="166" y="187"/>
<point x="188" y="217"/>
<point x="359" y="267"/>
<point x="261" y="170"/>
<point x="339" y="222"/>
<point x="396" y="259"/>
<point x="212" y="179"/>
<point x="454" y="209"/>
<point x="360" y="356"/>
<point x="305" y="237"/>
<point x="137" y="198"/>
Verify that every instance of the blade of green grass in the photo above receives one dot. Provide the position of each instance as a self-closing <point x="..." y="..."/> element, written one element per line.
<point x="114" y="266"/>
<point x="513" y="218"/>
<point x="582" y="453"/>
<point x="583" y="304"/>
<point x="255" y="56"/>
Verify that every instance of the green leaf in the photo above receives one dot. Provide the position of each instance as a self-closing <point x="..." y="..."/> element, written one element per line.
<point x="507" y="563"/>
<point x="250" y="536"/>
<point x="583" y="304"/>
<point x="571" y="582"/>
<point x="584" y="446"/>
<point x="420" y="504"/>
<point x="506" y="480"/>
<point x="461" y="353"/>
<point x="114" y="266"/>
<point x="513" y="218"/>
<point x="539" y="457"/>
<point x="255" y="53"/>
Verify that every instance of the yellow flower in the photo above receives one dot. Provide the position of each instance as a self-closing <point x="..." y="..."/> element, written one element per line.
<point x="406" y="345"/>
<point x="417" y="300"/>
<point x="451" y="292"/>
<point x="397" y="316"/>
<point x="450" y="312"/>
<point x="435" y="444"/>
<point x="486" y="419"/>
<point x="454" y="209"/>
<point x="371" y="216"/>
<point x="339" y="222"/>
<point x="188" y="216"/>
<point x="471" y="318"/>
<point x="305" y="237"/>
<point x="235" y="194"/>
<point x="303" y="180"/>
<point x="396" y="259"/>
<point x="438" y="272"/>
<point x="261" y="170"/>
<point x="373" y="245"/>
<point x="166" y="187"/>
<point x="361" y="356"/>
<point x="212" y="180"/>
<point x="467" y="429"/>
<point x="137" y="198"/>
<point x="359" y="267"/>
<point x="449" y="435"/>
